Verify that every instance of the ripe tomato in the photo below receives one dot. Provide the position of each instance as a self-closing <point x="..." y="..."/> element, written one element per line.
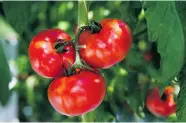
<point x="43" y="57"/>
<point x="109" y="46"/>
<point x="158" y="106"/>
<point x="77" y="94"/>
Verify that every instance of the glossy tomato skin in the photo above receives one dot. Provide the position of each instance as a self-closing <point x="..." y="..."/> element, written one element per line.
<point x="77" y="94"/>
<point x="43" y="57"/>
<point x="159" y="107"/>
<point x="109" y="46"/>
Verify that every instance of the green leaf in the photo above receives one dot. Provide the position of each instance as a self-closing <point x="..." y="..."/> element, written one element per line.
<point x="134" y="92"/>
<point x="181" y="99"/>
<point x="5" y="78"/>
<point x="181" y="102"/>
<point x="165" y="27"/>
<point x="135" y="61"/>
<point x="17" y="13"/>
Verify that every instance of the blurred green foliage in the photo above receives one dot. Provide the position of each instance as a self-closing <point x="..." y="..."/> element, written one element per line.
<point x="127" y="82"/>
<point x="5" y="78"/>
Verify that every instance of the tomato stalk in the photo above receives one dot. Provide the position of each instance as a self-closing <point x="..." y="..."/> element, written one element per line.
<point x="60" y="45"/>
<point x="83" y="25"/>
<point x="82" y="22"/>
<point x="80" y="30"/>
<point x="82" y="13"/>
<point x="93" y="26"/>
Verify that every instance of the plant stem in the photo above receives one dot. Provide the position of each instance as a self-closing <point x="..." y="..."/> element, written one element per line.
<point x="80" y="30"/>
<point x="82" y="13"/>
<point x="82" y="22"/>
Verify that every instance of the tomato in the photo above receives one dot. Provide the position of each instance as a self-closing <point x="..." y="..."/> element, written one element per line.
<point x="43" y="56"/>
<point x="147" y="56"/>
<point x="158" y="106"/>
<point x="107" y="47"/>
<point x="77" y="94"/>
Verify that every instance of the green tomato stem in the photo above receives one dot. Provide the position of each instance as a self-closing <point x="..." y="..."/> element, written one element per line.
<point x="82" y="13"/>
<point x="82" y="22"/>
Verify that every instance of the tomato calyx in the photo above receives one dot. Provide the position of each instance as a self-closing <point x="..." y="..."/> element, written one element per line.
<point x="59" y="45"/>
<point x="71" y="70"/>
<point x="164" y="97"/>
<point x="95" y="27"/>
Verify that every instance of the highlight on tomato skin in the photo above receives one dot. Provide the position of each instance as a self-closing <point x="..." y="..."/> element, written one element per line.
<point x="107" y="47"/>
<point x="77" y="94"/>
<point x="158" y="106"/>
<point x="44" y="59"/>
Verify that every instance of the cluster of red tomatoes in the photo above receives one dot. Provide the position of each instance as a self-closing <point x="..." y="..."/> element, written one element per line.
<point x="52" y="54"/>
<point x="78" y="90"/>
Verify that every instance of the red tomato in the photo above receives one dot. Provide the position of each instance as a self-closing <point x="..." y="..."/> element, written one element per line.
<point x="43" y="57"/>
<point x="147" y="56"/>
<point x="77" y="94"/>
<point x="109" y="46"/>
<point x="159" y="107"/>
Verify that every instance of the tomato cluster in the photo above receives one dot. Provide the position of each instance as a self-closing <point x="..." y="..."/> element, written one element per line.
<point x="78" y="90"/>
<point x="52" y="53"/>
